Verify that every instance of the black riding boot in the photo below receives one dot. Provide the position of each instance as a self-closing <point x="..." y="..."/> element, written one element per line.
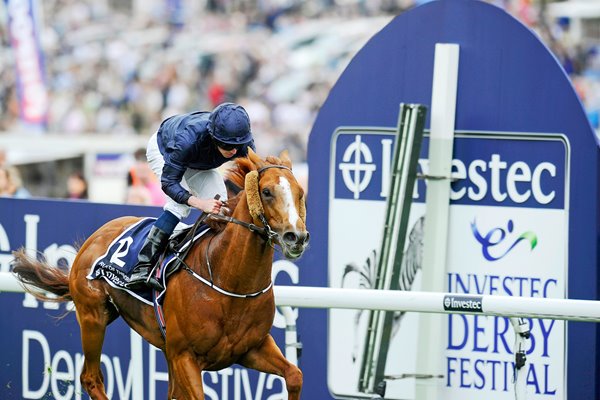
<point x="151" y="249"/>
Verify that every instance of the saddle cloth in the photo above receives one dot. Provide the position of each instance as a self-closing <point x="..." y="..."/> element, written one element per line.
<point x="116" y="264"/>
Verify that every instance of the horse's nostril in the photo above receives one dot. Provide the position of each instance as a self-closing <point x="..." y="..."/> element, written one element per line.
<point x="306" y="237"/>
<point x="290" y="237"/>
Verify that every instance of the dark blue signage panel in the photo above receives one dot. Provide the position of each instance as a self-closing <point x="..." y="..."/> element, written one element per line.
<point x="509" y="170"/>
<point x="41" y="353"/>
<point x="508" y="82"/>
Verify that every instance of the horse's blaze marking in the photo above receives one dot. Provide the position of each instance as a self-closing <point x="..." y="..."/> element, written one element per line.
<point x="289" y="201"/>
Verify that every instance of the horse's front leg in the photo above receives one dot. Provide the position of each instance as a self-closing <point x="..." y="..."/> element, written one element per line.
<point x="268" y="358"/>
<point x="185" y="377"/>
<point x="173" y="393"/>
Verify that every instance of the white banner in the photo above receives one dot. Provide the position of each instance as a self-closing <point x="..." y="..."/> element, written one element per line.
<point x="508" y="235"/>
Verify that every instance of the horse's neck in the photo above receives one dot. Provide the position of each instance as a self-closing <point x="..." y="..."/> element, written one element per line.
<point x="241" y="259"/>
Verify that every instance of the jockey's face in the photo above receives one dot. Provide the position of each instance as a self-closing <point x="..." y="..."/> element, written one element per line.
<point x="228" y="153"/>
<point x="227" y="150"/>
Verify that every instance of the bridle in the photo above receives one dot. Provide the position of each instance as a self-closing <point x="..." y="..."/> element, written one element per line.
<point x="265" y="231"/>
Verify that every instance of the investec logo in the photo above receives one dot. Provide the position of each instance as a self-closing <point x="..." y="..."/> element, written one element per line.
<point x="487" y="170"/>
<point x="463" y="303"/>
<point x="357" y="166"/>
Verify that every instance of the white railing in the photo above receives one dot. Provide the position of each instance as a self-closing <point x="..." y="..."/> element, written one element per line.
<point x="8" y="283"/>
<point x="515" y="308"/>
<point x="430" y="302"/>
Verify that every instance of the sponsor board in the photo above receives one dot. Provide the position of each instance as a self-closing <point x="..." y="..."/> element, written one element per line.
<point x="507" y="236"/>
<point x="41" y="353"/>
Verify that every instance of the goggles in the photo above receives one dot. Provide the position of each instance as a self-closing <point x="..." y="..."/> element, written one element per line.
<point x="227" y="146"/>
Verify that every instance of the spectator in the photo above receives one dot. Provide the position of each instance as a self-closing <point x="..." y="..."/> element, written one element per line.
<point x="15" y="184"/>
<point x="4" y="183"/>
<point x="77" y="187"/>
<point x="11" y="184"/>
<point x="146" y="186"/>
<point x="138" y="195"/>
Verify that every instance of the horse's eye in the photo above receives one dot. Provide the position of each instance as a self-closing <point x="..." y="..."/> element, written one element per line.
<point x="266" y="192"/>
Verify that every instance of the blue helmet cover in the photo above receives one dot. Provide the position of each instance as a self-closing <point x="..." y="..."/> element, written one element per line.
<point x="230" y="123"/>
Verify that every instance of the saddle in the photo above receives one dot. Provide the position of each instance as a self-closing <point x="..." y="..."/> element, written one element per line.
<point x="116" y="264"/>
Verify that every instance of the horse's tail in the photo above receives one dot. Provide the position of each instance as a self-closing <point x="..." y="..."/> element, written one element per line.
<point x="33" y="272"/>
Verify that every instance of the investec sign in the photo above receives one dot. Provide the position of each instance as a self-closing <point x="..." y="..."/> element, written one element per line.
<point x="507" y="236"/>
<point x="41" y="357"/>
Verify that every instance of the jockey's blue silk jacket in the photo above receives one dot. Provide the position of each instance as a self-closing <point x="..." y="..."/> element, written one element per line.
<point x="184" y="142"/>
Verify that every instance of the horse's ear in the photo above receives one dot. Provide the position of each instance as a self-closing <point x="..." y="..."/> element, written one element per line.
<point x="256" y="160"/>
<point x="284" y="156"/>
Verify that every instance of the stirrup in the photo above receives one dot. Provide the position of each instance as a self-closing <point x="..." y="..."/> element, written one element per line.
<point x="141" y="276"/>
<point x="152" y="282"/>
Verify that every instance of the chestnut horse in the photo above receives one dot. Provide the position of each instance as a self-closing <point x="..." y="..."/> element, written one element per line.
<point x="207" y="328"/>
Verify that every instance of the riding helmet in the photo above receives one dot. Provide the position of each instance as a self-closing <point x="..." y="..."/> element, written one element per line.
<point x="229" y="123"/>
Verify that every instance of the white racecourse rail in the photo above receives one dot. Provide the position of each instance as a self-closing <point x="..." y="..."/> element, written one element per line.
<point x="428" y="302"/>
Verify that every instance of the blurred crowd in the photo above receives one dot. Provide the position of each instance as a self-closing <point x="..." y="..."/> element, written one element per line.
<point x="121" y="67"/>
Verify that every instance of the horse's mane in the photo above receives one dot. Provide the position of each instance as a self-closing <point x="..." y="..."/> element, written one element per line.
<point x="236" y="175"/>
<point x="235" y="178"/>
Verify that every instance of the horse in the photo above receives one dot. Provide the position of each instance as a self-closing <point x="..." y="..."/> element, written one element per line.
<point x="206" y="329"/>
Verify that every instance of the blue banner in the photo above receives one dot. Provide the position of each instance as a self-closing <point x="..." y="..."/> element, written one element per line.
<point x="175" y="13"/>
<point x="40" y="352"/>
<point x="487" y="169"/>
<point x="23" y="30"/>
<point x="509" y="189"/>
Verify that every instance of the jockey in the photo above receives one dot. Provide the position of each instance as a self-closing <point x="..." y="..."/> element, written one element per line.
<point x="184" y="153"/>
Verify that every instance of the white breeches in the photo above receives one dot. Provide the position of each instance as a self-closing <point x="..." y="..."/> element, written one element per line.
<point x="202" y="184"/>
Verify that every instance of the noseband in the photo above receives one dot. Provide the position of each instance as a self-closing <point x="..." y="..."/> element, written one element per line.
<point x="265" y="232"/>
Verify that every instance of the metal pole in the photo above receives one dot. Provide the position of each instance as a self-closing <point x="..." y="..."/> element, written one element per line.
<point x="137" y="365"/>
<point x="522" y="334"/>
<point x="292" y="346"/>
<point x="443" y="108"/>
<point x="8" y="283"/>
<point x="411" y="121"/>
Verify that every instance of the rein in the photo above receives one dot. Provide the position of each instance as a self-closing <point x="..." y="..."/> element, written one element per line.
<point x="265" y="231"/>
